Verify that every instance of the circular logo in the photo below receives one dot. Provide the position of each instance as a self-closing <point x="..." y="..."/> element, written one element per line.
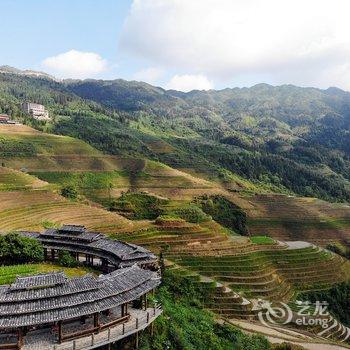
<point x="277" y="313"/>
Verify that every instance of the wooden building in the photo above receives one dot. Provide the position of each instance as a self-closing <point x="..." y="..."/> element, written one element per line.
<point x="94" y="247"/>
<point x="53" y="312"/>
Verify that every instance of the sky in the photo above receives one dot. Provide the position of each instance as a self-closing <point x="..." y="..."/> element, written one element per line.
<point x="181" y="44"/>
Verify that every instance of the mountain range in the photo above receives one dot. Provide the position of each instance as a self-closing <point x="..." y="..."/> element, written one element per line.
<point x="217" y="183"/>
<point x="284" y="139"/>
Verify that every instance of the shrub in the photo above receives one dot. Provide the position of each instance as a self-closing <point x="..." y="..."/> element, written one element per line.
<point x="169" y="219"/>
<point x="65" y="259"/>
<point x="139" y="206"/>
<point x="192" y="214"/>
<point x="15" y="248"/>
<point x="69" y="191"/>
<point x="224" y="212"/>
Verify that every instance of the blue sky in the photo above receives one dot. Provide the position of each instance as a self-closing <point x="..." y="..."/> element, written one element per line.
<point x="181" y="44"/>
<point x="32" y="30"/>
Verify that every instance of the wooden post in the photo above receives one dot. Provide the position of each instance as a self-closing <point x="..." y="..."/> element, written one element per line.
<point x="20" y="338"/>
<point x="137" y="323"/>
<point x="53" y="254"/>
<point x="60" y="332"/>
<point x="152" y="329"/>
<point x="137" y="340"/>
<point x="96" y="319"/>
<point x="104" y="264"/>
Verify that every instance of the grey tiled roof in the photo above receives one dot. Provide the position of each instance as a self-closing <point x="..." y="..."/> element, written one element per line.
<point x="81" y="240"/>
<point x="78" y="235"/>
<point x="72" y="228"/>
<point x="37" y="281"/>
<point x="72" y="286"/>
<point x="74" y="298"/>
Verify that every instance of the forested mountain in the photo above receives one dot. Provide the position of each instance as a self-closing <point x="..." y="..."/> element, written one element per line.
<point x="286" y="138"/>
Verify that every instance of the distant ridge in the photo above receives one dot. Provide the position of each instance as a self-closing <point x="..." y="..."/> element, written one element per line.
<point x="29" y="73"/>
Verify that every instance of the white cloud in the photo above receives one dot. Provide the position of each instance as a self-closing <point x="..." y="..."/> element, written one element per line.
<point x="150" y="75"/>
<point x="189" y="82"/>
<point x="294" y="41"/>
<point x="76" y="64"/>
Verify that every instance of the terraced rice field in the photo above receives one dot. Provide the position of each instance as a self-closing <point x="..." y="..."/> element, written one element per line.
<point x="272" y="271"/>
<point x="238" y="268"/>
<point x="62" y="160"/>
<point x="101" y="185"/>
<point x="236" y="272"/>
<point x="54" y="153"/>
<point x="269" y="274"/>
<point x="294" y="218"/>
<point x="44" y="143"/>
<point x="28" y="210"/>
<point x="273" y="275"/>
<point x="15" y="180"/>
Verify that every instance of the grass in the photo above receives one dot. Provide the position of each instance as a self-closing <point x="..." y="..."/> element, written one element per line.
<point x="9" y="273"/>
<point x="262" y="240"/>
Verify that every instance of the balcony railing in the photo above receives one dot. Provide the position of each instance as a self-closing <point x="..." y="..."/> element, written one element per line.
<point x="106" y="335"/>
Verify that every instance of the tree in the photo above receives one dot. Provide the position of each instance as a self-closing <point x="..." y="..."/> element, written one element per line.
<point x="69" y="191"/>
<point x="65" y="259"/>
<point x="15" y="248"/>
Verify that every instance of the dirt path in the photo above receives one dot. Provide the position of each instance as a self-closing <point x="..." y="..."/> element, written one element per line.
<point x="279" y="335"/>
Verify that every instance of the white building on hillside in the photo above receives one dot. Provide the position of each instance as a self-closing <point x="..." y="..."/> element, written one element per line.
<point x="36" y="110"/>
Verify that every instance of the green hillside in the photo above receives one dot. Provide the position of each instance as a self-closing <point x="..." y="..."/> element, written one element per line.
<point x="292" y="138"/>
<point x="222" y="138"/>
<point x="286" y="139"/>
<point x="198" y="220"/>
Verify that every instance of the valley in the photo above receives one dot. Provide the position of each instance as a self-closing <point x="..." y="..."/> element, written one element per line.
<point x="219" y="211"/>
<point x="237" y="271"/>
